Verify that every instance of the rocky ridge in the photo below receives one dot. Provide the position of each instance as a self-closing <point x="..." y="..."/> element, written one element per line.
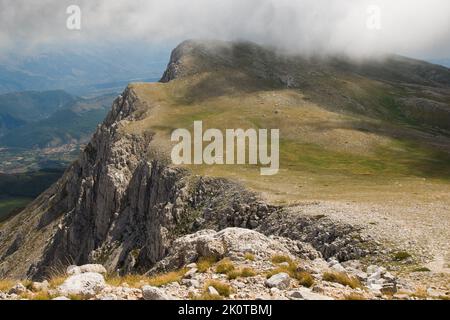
<point x="246" y="265"/>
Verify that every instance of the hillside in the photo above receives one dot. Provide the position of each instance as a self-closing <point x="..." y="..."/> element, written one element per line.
<point x="72" y="123"/>
<point x="18" y="190"/>
<point x="341" y="124"/>
<point x="87" y="71"/>
<point x="367" y="133"/>
<point x="16" y="109"/>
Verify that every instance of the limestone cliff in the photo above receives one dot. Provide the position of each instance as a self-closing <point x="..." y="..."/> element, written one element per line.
<point x="115" y="205"/>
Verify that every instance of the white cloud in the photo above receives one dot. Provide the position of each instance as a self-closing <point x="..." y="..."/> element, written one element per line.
<point x="414" y="27"/>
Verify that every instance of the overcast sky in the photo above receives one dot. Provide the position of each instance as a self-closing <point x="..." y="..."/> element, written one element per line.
<point x="417" y="28"/>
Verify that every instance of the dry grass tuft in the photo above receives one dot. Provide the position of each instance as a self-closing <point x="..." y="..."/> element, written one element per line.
<point x="56" y="281"/>
<point x="248" y="272"/>
<point x="421" y="269"/>
<point x="249" y="256"/>
<point x="137" y="281"/>
<point x="244" y="273"/>
<point x="304" y="278"/>
<point x="354" y="296"/>
<point x="225" y="266"/>
<point x="41" y="295"/>
<point x="163" y="279"/>
<point x="222" y="288"/>
<point x="205" y="297"/>
<point x="280" y="259"/>
<point x="420" y="293"/>
<point x="204" y="263"/>
<point x="6" y="285"/>
<point x="342" y="278"/>
<point x="401" y="255"/>
<point x="133" y="280"/>
<point x="233" y="274"/>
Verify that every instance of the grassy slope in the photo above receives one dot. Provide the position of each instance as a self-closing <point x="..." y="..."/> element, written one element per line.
<point x="343" y="135"/>
<point x="322" y="155"/>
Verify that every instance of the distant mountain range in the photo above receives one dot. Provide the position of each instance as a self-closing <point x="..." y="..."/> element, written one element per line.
<point x="48" y="119"/>
<point x="86" y="71"/>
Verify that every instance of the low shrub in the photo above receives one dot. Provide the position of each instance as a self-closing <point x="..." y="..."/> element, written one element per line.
<point x="222" y="288"/>
<point x="401" y="255"/>
<point x="204" y="263"/>
<point x="224" y="266"/>
<point x="342" y="278"/>
<point x="249" y="256"/>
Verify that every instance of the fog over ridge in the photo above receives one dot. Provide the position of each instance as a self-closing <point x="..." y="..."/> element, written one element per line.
<point x="415" y="28"/>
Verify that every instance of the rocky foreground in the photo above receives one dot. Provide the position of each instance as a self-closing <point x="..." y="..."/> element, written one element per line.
<point x="233" y="263"/>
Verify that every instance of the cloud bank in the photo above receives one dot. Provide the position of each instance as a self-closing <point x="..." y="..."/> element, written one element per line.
<point x="411" y="27"/>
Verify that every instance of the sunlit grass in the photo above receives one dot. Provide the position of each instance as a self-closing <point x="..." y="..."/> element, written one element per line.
<point x="137" y="281"/>
<point x="342" y="278"/>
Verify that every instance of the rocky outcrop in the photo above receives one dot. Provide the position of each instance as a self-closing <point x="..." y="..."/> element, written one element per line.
<point x="265" y="268"/>
<point x="233" y="243"/>
<point x="331" y="238"/>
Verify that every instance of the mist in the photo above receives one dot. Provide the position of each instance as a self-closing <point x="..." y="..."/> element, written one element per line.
<point x="355" y="27"/>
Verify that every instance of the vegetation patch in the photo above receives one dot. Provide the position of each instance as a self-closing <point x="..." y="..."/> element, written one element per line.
<point x="6" y="285"/>
<point x="342" y="278"/>
<point x="420" y="293"/>
<point x="354" y="296"/>
<point x="10" y="206"/>
<point x="249" y="256"/>
<point x="204" y="263"/>
<point x="245" y="272"/>
<point x="304" y="278"/>
<point x="421" y="269"/>
<point x="205" y="297"/>
<point x="292" y="269"/>
<point x="163" y="279"/>
<point x="224" y="266"/>
<point x="280" y="259"/>
<point x="222" y="288"/>
<point x="41" y="295"/>
<point x="56" y="281"/>
<point x="248" y="272"/>
<point x="137" y="281"/>
<point x="401" y="256"/>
